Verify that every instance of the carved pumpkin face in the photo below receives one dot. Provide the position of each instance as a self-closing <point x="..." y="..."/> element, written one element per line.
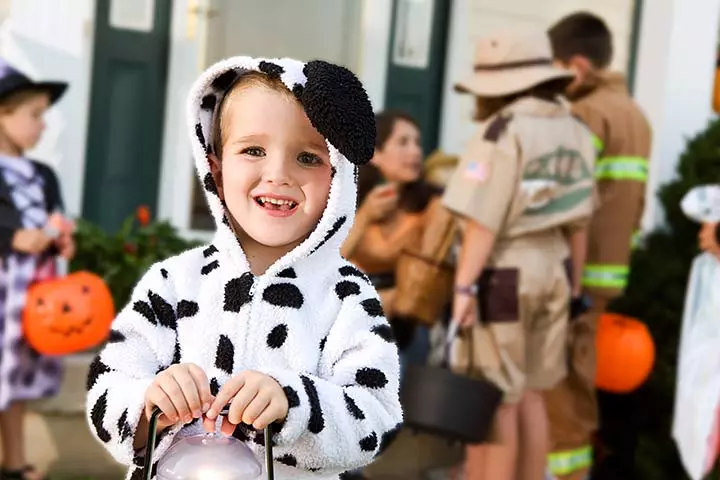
<point x="68" y="315"/>
<point x="625" y="353"/>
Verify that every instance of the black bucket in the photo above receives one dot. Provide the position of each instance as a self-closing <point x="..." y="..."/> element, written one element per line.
<point x="449" y="405"/>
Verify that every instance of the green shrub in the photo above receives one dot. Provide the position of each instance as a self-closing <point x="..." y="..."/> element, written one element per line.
<point x="121" y="258"/>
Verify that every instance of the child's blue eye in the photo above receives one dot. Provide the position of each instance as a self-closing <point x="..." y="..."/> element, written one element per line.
<point x="308" y="158"/>
<point x="253" y="151"/>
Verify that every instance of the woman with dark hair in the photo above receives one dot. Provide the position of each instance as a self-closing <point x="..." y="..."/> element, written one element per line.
<point x="392" y="197"/>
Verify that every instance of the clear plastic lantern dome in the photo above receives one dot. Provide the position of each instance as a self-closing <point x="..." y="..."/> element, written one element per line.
<point x="209" y="457"/>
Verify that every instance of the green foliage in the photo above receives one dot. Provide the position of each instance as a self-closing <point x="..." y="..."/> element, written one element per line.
<point x="122" y="258"/>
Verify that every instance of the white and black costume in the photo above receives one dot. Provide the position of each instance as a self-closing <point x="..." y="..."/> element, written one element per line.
<point x="312" y="321"/>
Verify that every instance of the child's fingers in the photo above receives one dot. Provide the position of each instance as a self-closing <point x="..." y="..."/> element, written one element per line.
<point x="209" y="425"/>
<point x="256" y="407"/>
<point x="272" y="412"/>
<point x="226" y="427"/>
<point x="158" y="398"/>
<point x="173" y="390"/>
<point x="240" y="402"/>
<point x="203" y="386"/>
<point x="226" y="393"/>
<point x="190" y="392"/>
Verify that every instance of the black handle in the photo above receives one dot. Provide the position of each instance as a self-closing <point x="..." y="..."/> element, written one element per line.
<point x="152" y="436"/>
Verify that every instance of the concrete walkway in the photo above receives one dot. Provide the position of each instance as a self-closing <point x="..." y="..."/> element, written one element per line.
<point x="57" y="438"/>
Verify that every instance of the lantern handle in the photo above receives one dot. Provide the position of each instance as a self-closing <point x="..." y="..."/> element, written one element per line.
<point x="152" y="438"/>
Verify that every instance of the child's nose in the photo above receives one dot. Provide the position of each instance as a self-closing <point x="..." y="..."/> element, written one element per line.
<point x="277" y="172"/>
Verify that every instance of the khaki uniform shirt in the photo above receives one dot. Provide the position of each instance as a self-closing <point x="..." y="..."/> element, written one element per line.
<point x="622" y="136"/>
<point x="528" y="169"/>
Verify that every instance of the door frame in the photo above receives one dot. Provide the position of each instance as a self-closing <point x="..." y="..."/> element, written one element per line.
<point x="190" y="21"/>
<point x="435" y="71"/>
<point x="96" y="105"/>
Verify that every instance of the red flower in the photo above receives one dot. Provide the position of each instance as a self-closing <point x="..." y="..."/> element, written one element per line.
<point x="130" y="248"/>
<point x="143" y="215"/>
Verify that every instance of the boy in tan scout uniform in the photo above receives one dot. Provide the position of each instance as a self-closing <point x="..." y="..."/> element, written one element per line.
<point x="524" y="178"/>
<point x="582" y="43"/>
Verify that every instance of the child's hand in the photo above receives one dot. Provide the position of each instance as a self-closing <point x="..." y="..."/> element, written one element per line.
<point x="380" y="202"/>
<point x="60" y="223"/>
<point x="465" y="310"/>
<point x="181" y="391"/>
<point x="66" y="245"/>
<point x="707" y="239"/>
<point x="31" y="240"/>
<point x="255" y="399"/>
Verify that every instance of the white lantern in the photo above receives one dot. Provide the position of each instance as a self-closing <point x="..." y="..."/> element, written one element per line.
<point x="207" y="456"/>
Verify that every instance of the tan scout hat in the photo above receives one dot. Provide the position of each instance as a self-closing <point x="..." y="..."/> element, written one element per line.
<point x="508" y="62"/>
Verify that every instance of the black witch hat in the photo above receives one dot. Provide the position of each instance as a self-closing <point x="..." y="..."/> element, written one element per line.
<point x="13" y="81"/>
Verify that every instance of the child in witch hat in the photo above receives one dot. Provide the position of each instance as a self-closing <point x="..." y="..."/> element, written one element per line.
<point x="32" y="233"/>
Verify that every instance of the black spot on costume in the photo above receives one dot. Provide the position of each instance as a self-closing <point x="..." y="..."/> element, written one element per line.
<point x="283" y="295"/>
<point x="278" y="335"/>
<point x="206" y="269"/>
<point x="224" y="357"/>
<point x="116" y="337"/>
<point x="237" y="292"/>
<point x="345" y="288"/>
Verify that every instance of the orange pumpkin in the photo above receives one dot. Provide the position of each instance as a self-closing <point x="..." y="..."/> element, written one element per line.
<point x="68" y="315"/>
<point x="625" y="353"/>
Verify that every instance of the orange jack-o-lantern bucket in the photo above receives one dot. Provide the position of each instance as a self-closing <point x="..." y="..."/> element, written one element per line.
<point x="69" y="314"/>
<point x="625" y="353"/>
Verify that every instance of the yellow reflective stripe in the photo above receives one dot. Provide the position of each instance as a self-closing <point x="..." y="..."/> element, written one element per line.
<point x="597" y="143"/>
<point x="622" y="168"/>
<point x="569" y="461"/>
<point x="605" y="276"/>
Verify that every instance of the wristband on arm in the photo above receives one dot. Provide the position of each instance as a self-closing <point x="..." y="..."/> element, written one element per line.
<point x="469" y="291"/>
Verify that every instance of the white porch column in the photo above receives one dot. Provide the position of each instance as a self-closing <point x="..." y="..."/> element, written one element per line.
<point x="674" y="82"/>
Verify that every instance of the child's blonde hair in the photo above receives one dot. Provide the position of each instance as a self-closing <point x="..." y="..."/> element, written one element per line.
<point x="246" y="81"/>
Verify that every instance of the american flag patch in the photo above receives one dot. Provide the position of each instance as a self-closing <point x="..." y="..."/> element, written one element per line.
<point x="476" y="171"/>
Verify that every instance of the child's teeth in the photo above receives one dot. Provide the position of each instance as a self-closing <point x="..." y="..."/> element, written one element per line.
<point x="276" y="201"/>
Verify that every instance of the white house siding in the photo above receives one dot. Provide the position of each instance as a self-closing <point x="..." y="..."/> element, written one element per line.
<point x="52" y="39"/>
<point x="674" y="81"/>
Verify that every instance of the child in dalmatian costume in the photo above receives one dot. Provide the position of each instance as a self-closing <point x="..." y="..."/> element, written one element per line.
<point x="303" y="333"/>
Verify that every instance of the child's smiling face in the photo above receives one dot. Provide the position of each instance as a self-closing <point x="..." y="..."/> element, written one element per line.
<point x="274" y="169"/>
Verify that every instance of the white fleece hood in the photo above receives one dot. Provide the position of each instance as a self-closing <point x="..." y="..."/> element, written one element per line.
<point x="337" y="106"/>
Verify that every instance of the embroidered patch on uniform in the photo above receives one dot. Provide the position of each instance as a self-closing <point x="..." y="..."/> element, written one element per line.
<point x="477" y="171"/>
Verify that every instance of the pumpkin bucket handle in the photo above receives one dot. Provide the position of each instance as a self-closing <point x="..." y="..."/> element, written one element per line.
<point x="152" y="437"/>
<point x="62" y="266"/>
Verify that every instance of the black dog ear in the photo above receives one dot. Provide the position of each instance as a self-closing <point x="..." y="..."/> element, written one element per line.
<point x="338" y="107"/>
